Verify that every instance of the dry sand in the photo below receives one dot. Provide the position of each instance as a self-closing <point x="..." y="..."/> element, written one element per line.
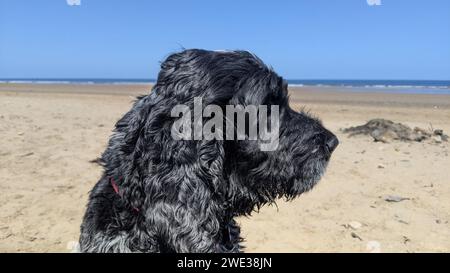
<point x="49" y="133"/>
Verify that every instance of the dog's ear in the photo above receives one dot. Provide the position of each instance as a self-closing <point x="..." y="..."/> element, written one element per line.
<point x="124" y="154"/>
<point x="185" y="188"/>
<point x="185" y="199"/>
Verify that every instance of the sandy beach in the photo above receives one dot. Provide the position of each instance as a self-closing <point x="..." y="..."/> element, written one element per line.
<point x="49" y="133"/>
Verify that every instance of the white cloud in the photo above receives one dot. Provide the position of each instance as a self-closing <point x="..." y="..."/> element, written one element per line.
<point x="73" y="2"/>
<point x="374" y="2"/>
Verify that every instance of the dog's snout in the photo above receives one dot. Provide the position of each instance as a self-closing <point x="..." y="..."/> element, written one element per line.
<point x="331" y="142"/>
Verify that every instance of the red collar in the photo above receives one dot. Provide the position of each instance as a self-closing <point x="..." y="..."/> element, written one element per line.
<point x="114" y="185"/>
<point x="116" y="190"/>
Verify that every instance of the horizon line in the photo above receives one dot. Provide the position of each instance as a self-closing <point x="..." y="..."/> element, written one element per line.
<point x="154" y="79"/>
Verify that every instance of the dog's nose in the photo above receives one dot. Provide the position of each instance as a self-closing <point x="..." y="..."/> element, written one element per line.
<point x="332" y="142"/>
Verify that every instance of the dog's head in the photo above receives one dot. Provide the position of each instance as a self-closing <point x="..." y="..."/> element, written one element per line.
<point x="236" y="169"/>
<point x="251" y="175"/>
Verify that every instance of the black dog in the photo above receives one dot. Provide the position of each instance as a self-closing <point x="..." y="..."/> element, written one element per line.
<point x="158" y="194"/>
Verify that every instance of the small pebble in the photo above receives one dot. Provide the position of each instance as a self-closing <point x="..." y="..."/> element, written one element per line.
<point x="394" y="198"/>
<point x="373" y="247"/>
<point x="356" y="236"/>
<point x="355" y="225"/>
<point x="437" y="139"/>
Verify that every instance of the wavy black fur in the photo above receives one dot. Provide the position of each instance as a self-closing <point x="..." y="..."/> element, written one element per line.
<point x="182" y="196"/>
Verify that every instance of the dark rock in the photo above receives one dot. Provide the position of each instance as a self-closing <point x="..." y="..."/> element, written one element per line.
<point x="386" y="131"/>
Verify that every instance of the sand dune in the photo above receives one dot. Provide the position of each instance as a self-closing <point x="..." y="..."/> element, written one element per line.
<point x="49" y="133"/>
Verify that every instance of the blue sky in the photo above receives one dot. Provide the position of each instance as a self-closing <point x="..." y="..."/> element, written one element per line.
<point x="315" y="39"/>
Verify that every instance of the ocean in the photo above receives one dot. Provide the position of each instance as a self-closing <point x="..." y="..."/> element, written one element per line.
<point x="382" y="86"/>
